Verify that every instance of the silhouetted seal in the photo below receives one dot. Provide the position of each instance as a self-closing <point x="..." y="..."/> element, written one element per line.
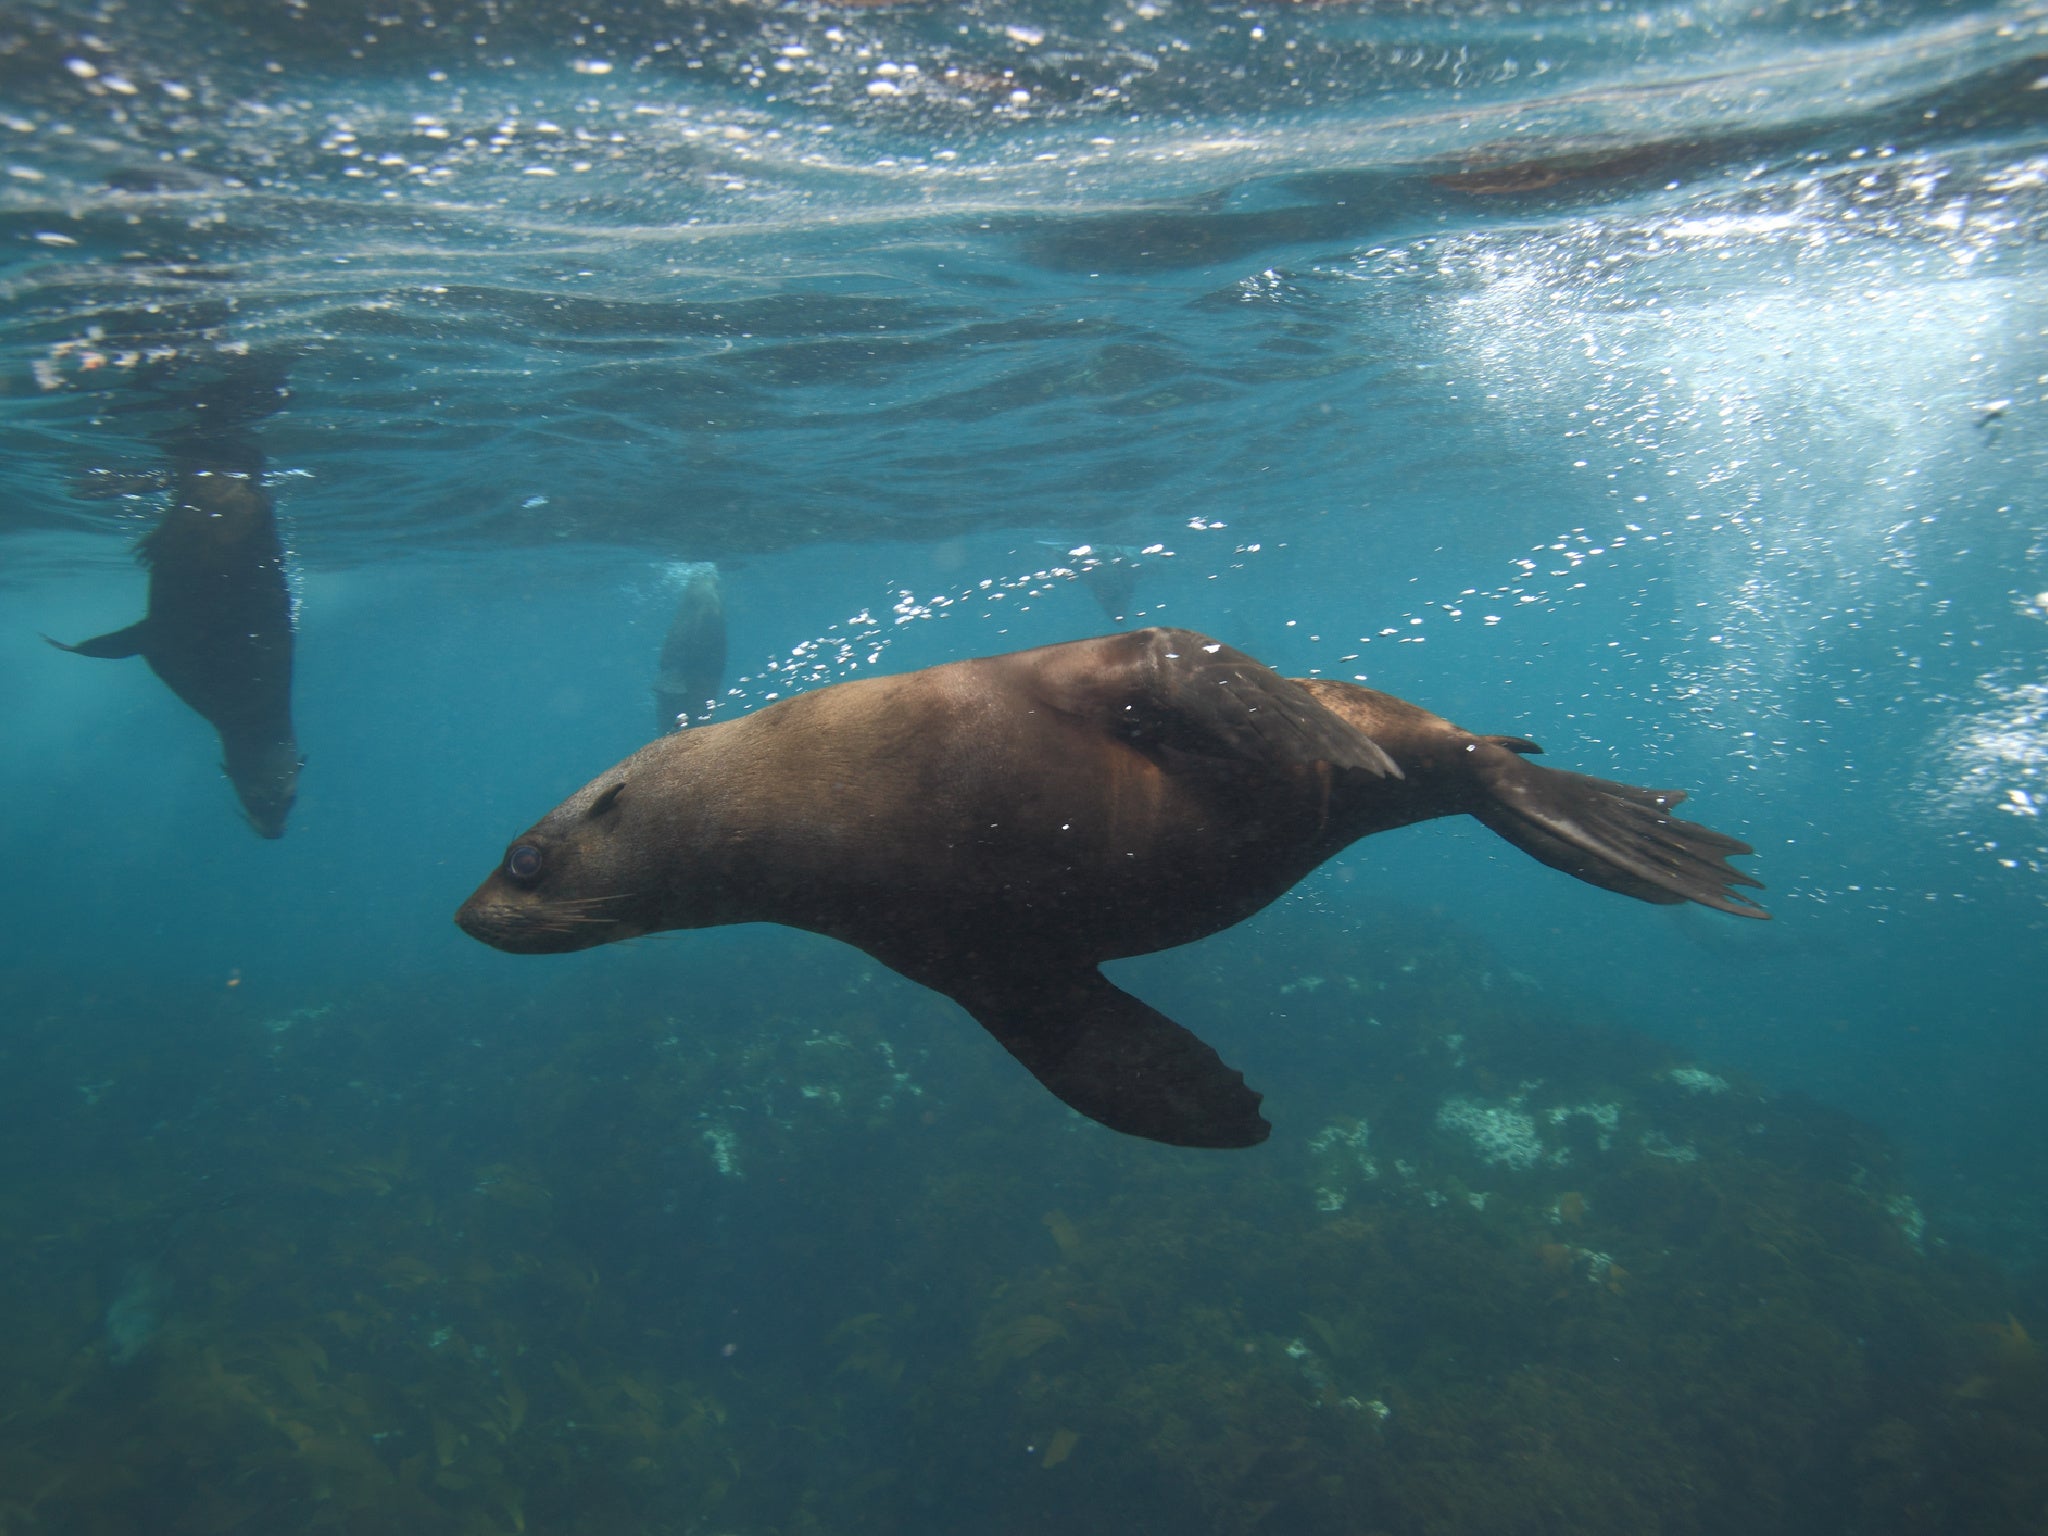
<point x="219" y="626"/>
<point x="998" y="828"/>
<point x="693" y="652"/>
<point x="1109" y="573"/>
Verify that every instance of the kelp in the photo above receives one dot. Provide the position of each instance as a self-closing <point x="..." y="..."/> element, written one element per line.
<point x="439" y="1299"/>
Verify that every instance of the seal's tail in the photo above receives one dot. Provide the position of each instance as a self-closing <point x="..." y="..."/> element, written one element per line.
<point x="1614" y="835"/>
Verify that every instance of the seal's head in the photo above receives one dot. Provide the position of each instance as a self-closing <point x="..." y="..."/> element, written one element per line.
<point x="558" y="887"/>
<point x="266" y="780"/>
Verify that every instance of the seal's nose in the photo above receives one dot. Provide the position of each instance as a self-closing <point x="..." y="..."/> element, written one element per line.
<point x="466" y="920"/>
<point x="519" y="928"/>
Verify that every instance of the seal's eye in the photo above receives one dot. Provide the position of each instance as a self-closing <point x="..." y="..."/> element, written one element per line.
<point x="523" y="862"/>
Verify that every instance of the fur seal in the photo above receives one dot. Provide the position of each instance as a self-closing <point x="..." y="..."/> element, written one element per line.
<point x="996" y="829"/>
<point x="1108" y="572"/>
<point x="218" y="629"/>
<point x="1111" y="577"/>
<point x="692" y="664"/>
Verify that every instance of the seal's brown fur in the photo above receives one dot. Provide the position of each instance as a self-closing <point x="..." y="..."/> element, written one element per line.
<point x="998" y="828"/>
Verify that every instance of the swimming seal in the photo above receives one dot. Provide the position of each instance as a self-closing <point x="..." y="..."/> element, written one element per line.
<point x="692" y="663"/>
<point x="997" y="828"/>
<point x="218" y="629"/>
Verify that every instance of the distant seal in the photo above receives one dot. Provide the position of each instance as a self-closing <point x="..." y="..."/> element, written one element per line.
<point x="692" y="667"/>
<point x="1109" y="574"/>
<point x="997" y="828"/>
<point x="218" y="630"/>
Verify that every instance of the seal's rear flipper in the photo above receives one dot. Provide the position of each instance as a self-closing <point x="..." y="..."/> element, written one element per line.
<point x="122" y="642"/>
<point x="1615" y="836"/>
<point x="1116" y="1060"/>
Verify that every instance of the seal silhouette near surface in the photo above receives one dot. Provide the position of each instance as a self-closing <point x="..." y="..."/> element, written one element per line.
<point x="996" y="829"/>
<point x="219" y="626"/>
<point x="693" y="651"/>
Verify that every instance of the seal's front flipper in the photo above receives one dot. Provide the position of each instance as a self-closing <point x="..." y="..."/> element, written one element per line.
<point x="1614" y="835"/>
<point x="122" y="642"/>
<point x="1116" y="1060"/>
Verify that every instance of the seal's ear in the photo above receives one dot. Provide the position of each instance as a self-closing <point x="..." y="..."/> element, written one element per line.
<point x="608" y="801"/>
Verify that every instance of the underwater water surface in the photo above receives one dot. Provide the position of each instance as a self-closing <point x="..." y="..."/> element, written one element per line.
<point x="1664" y="383"/>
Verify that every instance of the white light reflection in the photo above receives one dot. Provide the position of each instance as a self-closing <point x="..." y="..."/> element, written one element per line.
<point x="1994" y="761"/>
<point x="1784" y="394"/>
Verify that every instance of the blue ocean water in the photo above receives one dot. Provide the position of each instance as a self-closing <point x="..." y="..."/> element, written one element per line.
<point x="1662" y="382"/>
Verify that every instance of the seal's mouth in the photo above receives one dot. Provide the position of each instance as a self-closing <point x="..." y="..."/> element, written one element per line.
<point x="271" y="827"/>
<point x="541" y="928"/>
